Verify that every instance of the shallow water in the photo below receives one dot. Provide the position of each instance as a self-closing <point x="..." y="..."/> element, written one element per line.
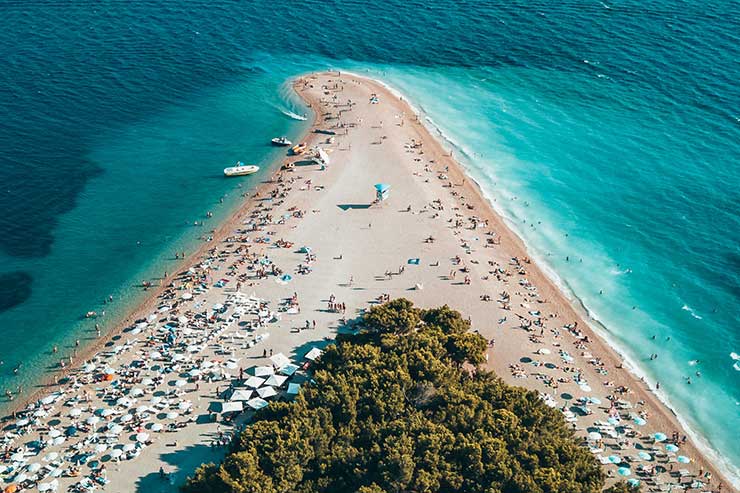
<point x="608" y="133"/>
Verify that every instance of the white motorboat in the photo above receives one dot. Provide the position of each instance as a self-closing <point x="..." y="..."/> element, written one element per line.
<point x="281" y="141"/>
<point x="241" y="169"/>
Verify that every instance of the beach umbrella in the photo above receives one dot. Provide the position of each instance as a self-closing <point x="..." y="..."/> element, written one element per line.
<point x="116" y="453"/>
<point x="58" y="440"/>
<point x="22" y="422"/>
<point x="92" y="420"/>
<point x="51" y="456"/>
<point x="254" y="382"/>
<point x="293" y="388"/>
<point x="231" y="365"/>
<point x="257" y="403"/>
<point x="683" y="459"/>
<point x="615" y="459"/>
<point x="75" y="412"/>
<point x="116" y="429"/>
<point x="155" y="355"/>
<point x="280" y="360"/>
<point x="17" y="457"/>
<point x="157" y="427"/>
<point x="314" y="354"/>
<point x="660" y="437"/>
<point x="180" y="383"/>
<point x="156" y="400"/>
<point x="147" y="381"/>
<point x="126" y="418"/>
<point x="151" y="318"/>
<point x="88" y="367"/>
<point x="639" y="421"/>
<point x="633" y="482"/>
<point x="56" y="473"/>
<point x="45" y="486"/>
<point x="276" y="380"/>
<point x="40" y="413"/>
<point x="263" y="371"/>
<point x="172" y="415"/>
<point x="624" y="471"/>
<point x="594" y="400"/>
<point x="136" y="392"/>
<point x="11" y="488"/>
<point x="129" y="447"/>
<point x="49" y="398"/>
<point x="585" y="388"/>
<point x="543" y="350"/>
<point x="594" y="435"/>
<point x="35" y="467"/>
<point x="53" y="433"/>
<point x="187" y="296"/>
<point x="644" y="455"/>
<point x="266" y="392"/>
<point x="671" y="448"/>
<point x="20" y="477"/>
<point x="195" y="372"/>
<point x="142" y="437"/>
<point x="142" y="410"/>
<point x="100" y="448"/>
<point x="289" y="369"/>
<point x="109" y="412"/>
<point x="612" y="421"/>
<point x="184" y="405"/>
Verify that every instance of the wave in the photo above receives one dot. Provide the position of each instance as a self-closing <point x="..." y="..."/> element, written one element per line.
<point x="292" y="115"/>
<point x="691" y="312"/>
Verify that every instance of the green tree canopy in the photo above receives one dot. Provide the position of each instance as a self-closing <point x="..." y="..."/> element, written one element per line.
<point x="395" y="408"/>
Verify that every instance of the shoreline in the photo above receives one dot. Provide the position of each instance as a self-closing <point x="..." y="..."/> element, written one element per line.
<point x="88" y="350"/>
<point x="510" y="243"/>
<point x="598" y="327"/>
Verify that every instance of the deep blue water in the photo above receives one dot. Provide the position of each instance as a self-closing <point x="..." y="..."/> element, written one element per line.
<point x="607" y="132"/>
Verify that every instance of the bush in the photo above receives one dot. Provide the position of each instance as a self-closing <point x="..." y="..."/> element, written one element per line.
<point x="393" y="409"/>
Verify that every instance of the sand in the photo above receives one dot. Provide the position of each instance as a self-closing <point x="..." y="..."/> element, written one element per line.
<point x="362" y="251"/>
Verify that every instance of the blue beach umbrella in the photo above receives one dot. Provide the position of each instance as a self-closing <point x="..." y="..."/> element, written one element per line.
<point x="594" y="400"/>
<point x="660" y="437"/>
<point x="612" y="421"/>
<point x="624" y="471"/>
<point x="615" y="459"/>
<point x="644" y="455"/>
<point x="286" y="278"/>
<point x="683" y="459"/>
<point x="633" y="482"/>
<point x="671" y="448"/>
<point x="639" y="421"/>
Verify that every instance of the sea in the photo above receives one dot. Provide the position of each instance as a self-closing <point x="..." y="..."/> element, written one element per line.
<point x="607" y="132"/>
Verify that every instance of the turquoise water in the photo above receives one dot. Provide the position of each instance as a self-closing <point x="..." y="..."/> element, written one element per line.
<point x="608" y="133"/>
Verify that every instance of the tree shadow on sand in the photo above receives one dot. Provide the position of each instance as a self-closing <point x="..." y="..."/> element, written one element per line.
<point x="185" y="461"/>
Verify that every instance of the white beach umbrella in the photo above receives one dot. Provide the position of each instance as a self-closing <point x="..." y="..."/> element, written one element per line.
<point x="21" y="477"/>
<point x="75" y="412"/>
<point x="137" y="391"/>
<point x="22" y="422"/>
<point x="92" y="420"/>
<point x="49" y="399"/>
<point x="51" y="456"/>
<point x="129" y="447"/>
<point x="172" y="415"/>
<point x="143" y="410"/>
<point x="544" y="350"/>
<point x="58" y="440"/>
<point x="184" y="405"/>
<point x="88" y="367"/>
<point x="594" y="435"/>
<point x="254" y="382"/>
<point x="180" y="383"/>
<point x="53" y="433"/>
<point x="257" y="403"/>
<point x="156" y="400"/>
<point x="17" y="457"/>
<point x="55" y="473"/>
<point x="35" y="467"/>
<point x="157" y="427"/>
<point x="109" y="412"/>
<point x="100" y="448"/>
<point x="266" y="392"/>
<point x="195" y="372"/>
<point x="276" y="380"/>
<point x="280" y="360"/>
<point x="40" y="413"/>
<point x="231" y="365"/>
<point x="116" y="429"/>
<point x="116" y="453"/>
<point x="126" y="418"/>
<point x="155" y="355"/>
<point x="142" y="437"/>
<point x="263" y="371"/>
<point x="148" y="382"/>
<point x="187" y="296"/>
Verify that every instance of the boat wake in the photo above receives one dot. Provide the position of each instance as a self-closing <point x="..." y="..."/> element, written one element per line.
<point x="294" y="116"/>
<point x="691" y="311"/>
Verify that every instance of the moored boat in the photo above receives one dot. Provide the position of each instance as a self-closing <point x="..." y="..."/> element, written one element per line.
<point x="281" y="141"/>
<point x="241" y="169"/>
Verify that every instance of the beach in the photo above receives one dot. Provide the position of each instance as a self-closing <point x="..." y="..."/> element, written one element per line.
<point x="306" y="254"/>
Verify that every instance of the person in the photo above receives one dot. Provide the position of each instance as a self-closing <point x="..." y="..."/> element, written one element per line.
<point x="162" y="474"/>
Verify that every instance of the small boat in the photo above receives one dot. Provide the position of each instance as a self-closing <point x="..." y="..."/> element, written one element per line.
<point x="241" y="169"/>
<point x="281" y="141"/>
<point x="299" y="149"/>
